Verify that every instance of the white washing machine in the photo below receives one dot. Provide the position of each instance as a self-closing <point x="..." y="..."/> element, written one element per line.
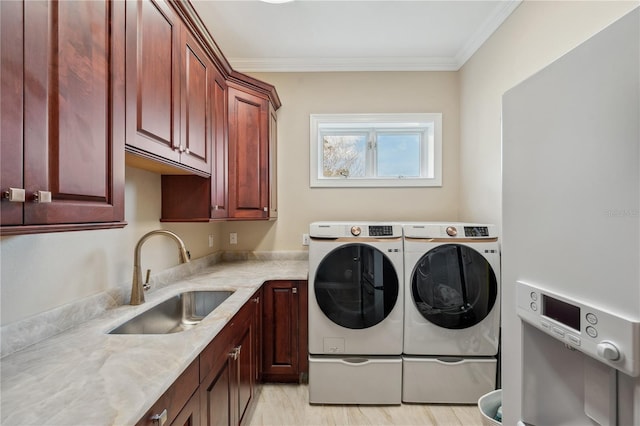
<point x="355" y="313"/>
<point x="452" y="312"/>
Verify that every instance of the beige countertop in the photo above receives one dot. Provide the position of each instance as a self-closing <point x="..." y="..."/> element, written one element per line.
<point x="85" y="376"/>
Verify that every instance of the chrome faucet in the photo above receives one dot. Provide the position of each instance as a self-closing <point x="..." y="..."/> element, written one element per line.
<point x="137" y="288"/>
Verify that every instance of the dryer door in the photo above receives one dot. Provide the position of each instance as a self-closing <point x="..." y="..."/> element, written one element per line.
<point x="356" y="286"/>
<point x="453" y="286"/>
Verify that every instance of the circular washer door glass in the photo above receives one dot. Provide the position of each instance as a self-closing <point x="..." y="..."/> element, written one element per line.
<point x="453" y="286"/>
<point x="356" y="286"/>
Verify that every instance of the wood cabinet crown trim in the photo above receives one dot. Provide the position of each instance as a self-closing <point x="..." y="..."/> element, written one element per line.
<point x="195" y="24"/>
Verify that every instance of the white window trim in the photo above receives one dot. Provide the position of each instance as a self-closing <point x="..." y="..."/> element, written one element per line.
<point x="435" y="150"/>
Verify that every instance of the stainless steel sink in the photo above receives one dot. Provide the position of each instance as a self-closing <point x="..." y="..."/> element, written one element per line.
<point x="179" y="313"/>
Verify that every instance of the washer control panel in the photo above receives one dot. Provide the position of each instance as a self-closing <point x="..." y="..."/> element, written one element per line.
<point x="598" y="333"/>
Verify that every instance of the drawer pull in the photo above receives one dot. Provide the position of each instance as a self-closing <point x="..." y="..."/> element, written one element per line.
<point x="160" y="419"/>
<point x="15" y="195"/>
<point x="42" y="197"/>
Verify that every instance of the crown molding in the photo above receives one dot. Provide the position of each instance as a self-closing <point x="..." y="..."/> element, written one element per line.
<point x="501" y="13"/>
<point x="342" y="64"/>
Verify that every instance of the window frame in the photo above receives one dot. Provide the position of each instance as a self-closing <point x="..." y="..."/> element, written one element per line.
<point x="430" y="163"/>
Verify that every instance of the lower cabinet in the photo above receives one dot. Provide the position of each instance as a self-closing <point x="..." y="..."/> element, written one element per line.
<point x="284" y="331"/>
<point x="266" y="340"/>
<point x="228" y="371"/>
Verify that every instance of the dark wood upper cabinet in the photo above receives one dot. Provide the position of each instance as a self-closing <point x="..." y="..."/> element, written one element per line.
<point x="168" y="80"/>
<point x="248" y="155"/>
<point x="219" y="176"/>
<point x="63" y="115"/>
<point x="243" y="182"/>
<point x="153" y="88"/>
<point x="197" y="75"/>
<point x="11" y="108"/>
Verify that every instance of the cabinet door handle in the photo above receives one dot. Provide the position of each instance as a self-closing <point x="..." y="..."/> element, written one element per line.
<point x="266" y="209"/>
<point x="15" y="195"/>
<point x="256" y="300"/>
<point x="235" y="353"/>
<point x="42" y="197"/>
<point x="294" y="290"/>
<point x="160" y="419"/>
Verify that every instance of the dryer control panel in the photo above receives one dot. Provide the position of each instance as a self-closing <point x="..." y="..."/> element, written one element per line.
<point x="351" y="230"/>
<point x="601" y="334"/>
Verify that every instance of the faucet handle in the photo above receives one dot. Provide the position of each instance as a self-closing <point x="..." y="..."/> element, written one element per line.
<point x="146" y="285"/>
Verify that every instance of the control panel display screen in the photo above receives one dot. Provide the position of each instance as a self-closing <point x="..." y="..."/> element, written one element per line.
<point x="380" y="231"/>
<point x="476" y="231"/>
<point x="560" y="311"/>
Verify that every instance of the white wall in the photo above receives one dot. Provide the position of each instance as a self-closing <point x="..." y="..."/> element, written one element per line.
<point x="43" y="271"/>
<point x="535" y="34"/>
<point x="352" y="92"/>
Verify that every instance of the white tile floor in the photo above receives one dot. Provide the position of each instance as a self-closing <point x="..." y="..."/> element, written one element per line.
<point x="288" y="404"/>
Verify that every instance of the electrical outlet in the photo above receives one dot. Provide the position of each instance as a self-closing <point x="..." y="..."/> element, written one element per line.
<point x="233" y="238"/>
<point x="210" y="240"/>
<point x="305" y="239"/>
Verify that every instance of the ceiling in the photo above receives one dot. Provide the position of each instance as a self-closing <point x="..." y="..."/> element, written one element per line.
<point x="351" y="35"/>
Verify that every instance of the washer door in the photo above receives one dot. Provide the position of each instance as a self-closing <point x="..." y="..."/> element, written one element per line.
<point x="453" y="286"/>
<point x="356" y="286"/>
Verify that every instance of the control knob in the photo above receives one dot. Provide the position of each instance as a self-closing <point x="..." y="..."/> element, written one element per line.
<point x="452" y="231"/>
<point x="608" y="351"/>
<point x="355" y="231"/>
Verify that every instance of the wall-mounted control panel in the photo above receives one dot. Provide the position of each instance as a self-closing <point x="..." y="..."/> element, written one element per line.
<point x="601" y="334"/>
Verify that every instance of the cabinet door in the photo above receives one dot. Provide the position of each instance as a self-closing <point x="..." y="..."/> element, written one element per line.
<point x="73" y="112"/>
<point x="273" y="163"/>
<point x="153" y="86"/>
<point x="190" y="414"/>
<point x="248" y="156"/>
<point x="196" y="126"/>
<point x="215" y="396"/>
<point x="219" y="180"/>
<point x="246" y="369"/>
<point x="280" y="331"/>
<point x="11" y="107"/>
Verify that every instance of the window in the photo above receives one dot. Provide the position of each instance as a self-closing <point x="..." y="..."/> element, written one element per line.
<point x="376" y="150"/>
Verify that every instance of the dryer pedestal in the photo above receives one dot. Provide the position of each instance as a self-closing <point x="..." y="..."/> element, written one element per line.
<point x="447" y="380"/>
<point x="355" y="380"/>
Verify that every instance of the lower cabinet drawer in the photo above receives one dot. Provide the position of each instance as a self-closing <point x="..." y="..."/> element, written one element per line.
<point x="355" y="380"/>
<point x="447" y="380"/>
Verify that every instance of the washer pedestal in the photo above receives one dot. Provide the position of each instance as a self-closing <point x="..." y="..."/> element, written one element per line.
<point x="447" y="380"/>
<point x="355" y="380"/>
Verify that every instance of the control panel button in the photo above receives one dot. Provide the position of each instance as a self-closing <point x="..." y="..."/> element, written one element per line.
<point x="608" y="351"/>
<point x="355" y="231"/>
<point x="534" y="306"/>
<point x="545" y="325"/>
<point x="592" y="331"/>
<point x="592" y="319"/>
<point x="534" y="296"/>
<point x="558" y="331"/>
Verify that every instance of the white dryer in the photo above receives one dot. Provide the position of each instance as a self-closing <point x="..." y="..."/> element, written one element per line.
<point x="452" y="312"/>
<point x="355" y="313"/>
